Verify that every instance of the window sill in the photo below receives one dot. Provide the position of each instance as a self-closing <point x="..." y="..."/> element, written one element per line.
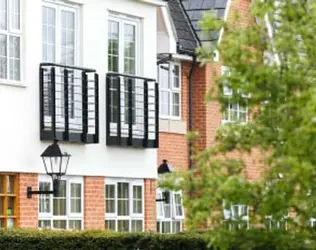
<point x="223" y="122"/>
<point x="12" y="83"/>
<point x="172" y="118"/>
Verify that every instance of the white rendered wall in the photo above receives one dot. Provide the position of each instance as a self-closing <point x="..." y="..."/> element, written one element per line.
<point x="20" y="145"/>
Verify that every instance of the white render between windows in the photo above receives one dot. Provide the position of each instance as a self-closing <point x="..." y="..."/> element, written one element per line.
<point x="49" y="205"/>
<point x="23" y="112"/>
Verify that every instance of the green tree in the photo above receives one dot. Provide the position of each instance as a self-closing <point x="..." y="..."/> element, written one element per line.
<point x="272" y="62"/>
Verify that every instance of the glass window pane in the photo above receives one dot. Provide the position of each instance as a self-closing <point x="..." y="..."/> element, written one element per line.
<point x="176" y="227"/>
<point x="3" y="15"/>
<point x="67" y="37"/>
<point x="10" y="209"/>
<point x="10" y="223"/>
<point x="110" y="198"/>
<point x="59" y="206"/>
<point x="113" y="46"/>
<point x="48" y="34"/>
<point x="122" y="198"/>
<point x="75" y="205"/>
<point x="14" y="55"/>
<point x="176" y="104"/>
<point x="10" y="184"/>
<point x="75" y="224"/>
<point x="129" y="49"/>
<point x="110" y="191"/>
<point x="166" y="227"/>
<point x="164" y="76"/>
<point x="60" y="224"/>
<point x="110" y="225"/>
<point x="137" y="225"/>
<point x="1" y="184"/>
<point x="1" y="205"/>
<point x="62" y="189"/>
<point x="123" y="225"/>
<point x="137" y="199"/>
<point x="123" y="207"/>
<point x="75" y="190"/>
<point x="44" y="224"/>
<point x="3" y="56"/>
<point x="15" y="14"/>
<point x="122" y="190"/>
<point x="44" y="199"/>
<point x="176" y="77"/>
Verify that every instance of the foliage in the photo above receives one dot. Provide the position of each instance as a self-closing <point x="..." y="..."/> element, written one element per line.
<point x="272" y="62"/>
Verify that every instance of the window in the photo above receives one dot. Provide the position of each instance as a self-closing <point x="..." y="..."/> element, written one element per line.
<point x="122" y="58"/>
<point x="64" y="211"/>
<point x="59" y="45"/>
<point x="8" y="201"/>
<point x="124" y="205"/>
<point x="169" y="215"/>
<point x="234" y="111"/>
<point x="237" y="216"/>
<point x="273" y="224"/>
<point x="10" y="40"/>
<point x="170" y="89"/>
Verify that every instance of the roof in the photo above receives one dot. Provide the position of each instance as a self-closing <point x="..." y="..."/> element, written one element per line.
<point x="185" y="35"/>
<point x="186" y="16"/>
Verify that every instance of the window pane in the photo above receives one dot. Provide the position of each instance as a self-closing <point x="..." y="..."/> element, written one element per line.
<point x="3" y="14"/>
<point x="3" y="56"/>
<point x="166" y="227"/>
<point x="176" y="227"/>
<point x="10" y="184"/>
<point x="10" y="223"/>
<point x="110" y="225"/>
<point x="176" y="77"/>
<point x="59" y="203"/>
<point x="75" y="224"/>
<point x="67" y="37"/>
<point x="167" y="210"/>
<point x="110" y="198"/>
<point x="1" y="205"/>
<point x="123" y="225"/>
<point x="129" y="49"/>
<point x="123" y="198"/>
<point x="176" y="104"/>
<point x="113" y="46"/>
<point x="48" y="34"/>
<point x="137" y="199"/>
<point x="60" y="224"/>
<point x="137" y="225"/>
<point x="164" y="76"/>
<point x="14" y="55"/>
<point x="44" y="199"/>
<point x="44" y="224"/>
<point x="164" y="102"/>
<point x="75" y="193"/>
<point x="15" y="14"/>
<point x="1" y="184"/>
<point x="10" y="209"/>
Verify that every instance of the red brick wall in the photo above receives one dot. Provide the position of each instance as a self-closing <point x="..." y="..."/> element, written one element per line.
<point x="150" y="205"/>
<point x="27" y="208"/>
<point x="94" y="202"/>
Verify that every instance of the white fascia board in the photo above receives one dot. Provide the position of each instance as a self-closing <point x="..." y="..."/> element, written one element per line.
<point x="154" y="2"/>
<point x="170" y="29"/>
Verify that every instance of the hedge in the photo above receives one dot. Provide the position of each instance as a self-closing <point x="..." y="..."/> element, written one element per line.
<point x="97" y="240"/>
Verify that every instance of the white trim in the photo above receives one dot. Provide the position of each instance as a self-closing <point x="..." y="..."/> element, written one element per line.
<point x="154" y="2"/>
<point x="221" y="32"/>
<point x="182" y="57"/>
<point x="171" y="29"/>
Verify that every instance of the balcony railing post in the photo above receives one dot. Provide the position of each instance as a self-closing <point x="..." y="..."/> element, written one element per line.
<point x="66" y="103"/>
<point x="157" y="114"/>
<point x="107" y="107"/>
<point x="84" y="85"/>
<point x="53" y="99"/>
<point x="118" y="96"/>
<point x="96" y="106"/>
<point x="146" y="115"/>
<point x="41" y="95"/>
<point x="130" y="110"/>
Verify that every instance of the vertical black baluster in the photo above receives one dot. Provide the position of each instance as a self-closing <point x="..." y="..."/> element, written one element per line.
<point x="130" y="110"/>
<point x="157" y="114"/>
<point x="41" y="95"/>
<point x="53" y="100"/>
<point x="84" y="86"/>
<point x="66" y="104"/>
<point x="107" y="107"/>
<point x="118" y="96"/>
<point x="146" y="115"/>
<point x="96" y="107"/>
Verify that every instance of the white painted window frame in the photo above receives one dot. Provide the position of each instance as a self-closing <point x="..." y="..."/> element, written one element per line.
<point x="58" y="6"/>
<point x="171" y="89"/>
<point x="160" y="217"/>
<point x="18" y="33"/>
<point x="228" y="92"/>
<point x="69" y="216"/>
<point x="132" y="216"/>
<point x="122" y="19"/>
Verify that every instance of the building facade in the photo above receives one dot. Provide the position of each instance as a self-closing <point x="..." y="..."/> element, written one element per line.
<point x="84" y="73"/>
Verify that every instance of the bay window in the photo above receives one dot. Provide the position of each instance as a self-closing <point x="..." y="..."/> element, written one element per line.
<point x="124" y="205"/>
<point x="64" y="211"/>
<point x="169" y="215"/>
<point x="10" y="40"/>
<point x="170" y="90"/>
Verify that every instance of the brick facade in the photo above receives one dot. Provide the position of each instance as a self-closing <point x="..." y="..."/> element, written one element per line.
<point x="94" y="202"/>
<point x="27" y="208"/>
<point x="150" y="204"/>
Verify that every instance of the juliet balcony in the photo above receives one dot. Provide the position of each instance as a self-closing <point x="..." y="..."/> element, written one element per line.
<point x="131" y="111"/>
<point x="69" y="103"/>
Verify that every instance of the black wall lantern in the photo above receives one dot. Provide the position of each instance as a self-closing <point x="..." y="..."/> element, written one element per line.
<point x="56" y="164"/>
<point x="163" y="169"/>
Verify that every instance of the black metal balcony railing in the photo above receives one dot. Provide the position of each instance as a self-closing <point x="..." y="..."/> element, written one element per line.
<point x="132" y="111"/>
<point x="69" y="103"/>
